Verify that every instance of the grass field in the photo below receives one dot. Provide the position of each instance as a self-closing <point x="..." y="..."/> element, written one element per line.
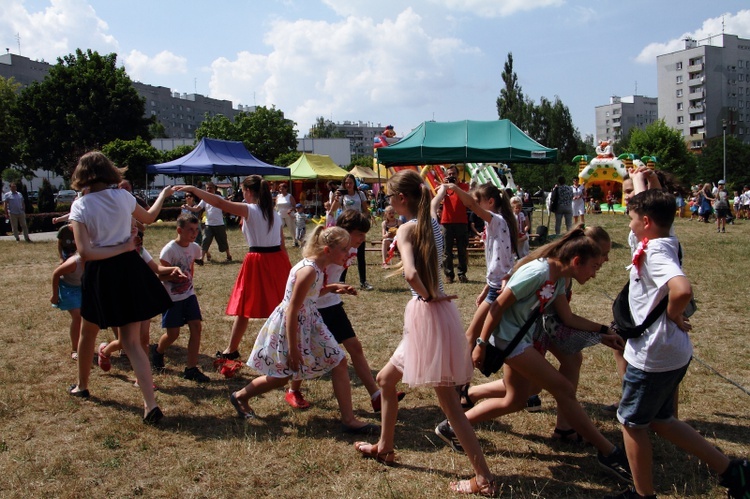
<point x="53" y="445"/>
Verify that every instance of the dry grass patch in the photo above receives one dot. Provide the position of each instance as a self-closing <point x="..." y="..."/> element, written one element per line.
<point x="55" y="446"/>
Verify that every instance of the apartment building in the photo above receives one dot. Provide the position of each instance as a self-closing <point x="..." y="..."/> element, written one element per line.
<point x="614" y="120"/>
<point x="704" y="89"/>
<point x="180" y="113"/>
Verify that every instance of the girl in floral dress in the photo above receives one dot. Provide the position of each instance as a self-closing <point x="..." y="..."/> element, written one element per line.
<point x="295" y="343"/>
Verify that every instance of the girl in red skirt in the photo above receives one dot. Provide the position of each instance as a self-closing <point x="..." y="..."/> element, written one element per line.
<point x="260" y="283"/>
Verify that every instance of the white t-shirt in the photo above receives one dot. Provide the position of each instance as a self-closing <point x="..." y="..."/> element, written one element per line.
<point x="214" y="216"/>
<point x="300" y="219"/>
<point x="663" y="347"/>
<point x="497" y="250"/>
<point x="182" y="257"/>
<point x="106" y="214"/>
<point x="333" y="274"/>
<point x="353" y="202"/>
<point x="255" y="228"/>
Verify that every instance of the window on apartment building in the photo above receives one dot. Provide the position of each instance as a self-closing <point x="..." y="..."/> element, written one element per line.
<point x="679" y="106"/>
<point x="607" y="113"/>
<point x="741" y="131"/>
<point x="680" y="120"/>
<point x="679" y="92"/>
<point x="153" y="103"/>
<point x="153" y="113"/>
<point x="678" y="80"/>
<point x="679" y="66"/>
<point x="740" y="104"/>
<point x="739" y="63"/>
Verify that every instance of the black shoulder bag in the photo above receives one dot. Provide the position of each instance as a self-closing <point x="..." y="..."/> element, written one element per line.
<point x="494" y="358"/>
<point x="624" y="324"/>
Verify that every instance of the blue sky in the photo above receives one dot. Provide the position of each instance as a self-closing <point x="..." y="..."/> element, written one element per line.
<point x="396" y="63"/>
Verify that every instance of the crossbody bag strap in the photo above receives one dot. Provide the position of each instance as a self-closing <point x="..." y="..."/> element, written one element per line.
<point x="522" y="332"/>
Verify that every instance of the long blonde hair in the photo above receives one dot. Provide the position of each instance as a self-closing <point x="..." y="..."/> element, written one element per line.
<point x="322" y="237"/>
<point x="417" y="197"/>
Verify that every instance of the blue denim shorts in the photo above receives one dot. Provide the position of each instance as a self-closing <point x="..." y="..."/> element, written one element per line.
<point x="492" y="294"/>
<point x="181" y="312"/>
<point x="648" y="397"/>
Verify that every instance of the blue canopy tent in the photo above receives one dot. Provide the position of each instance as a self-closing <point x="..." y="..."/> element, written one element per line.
<point x="224" y="158"/>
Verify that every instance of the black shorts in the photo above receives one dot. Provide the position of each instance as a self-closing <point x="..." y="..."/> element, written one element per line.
<point x="722" y="212"/>
<point x="337" y="322"/>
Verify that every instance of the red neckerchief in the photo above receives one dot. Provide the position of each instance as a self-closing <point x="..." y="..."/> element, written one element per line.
<point x="545" y="294"/>
<point x="638" y="254"/>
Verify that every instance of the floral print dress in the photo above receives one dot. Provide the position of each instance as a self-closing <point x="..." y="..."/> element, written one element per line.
<point x="320" y="351"/>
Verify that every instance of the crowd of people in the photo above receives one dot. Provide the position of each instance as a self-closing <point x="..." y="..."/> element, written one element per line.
<point x="523" y="311"/>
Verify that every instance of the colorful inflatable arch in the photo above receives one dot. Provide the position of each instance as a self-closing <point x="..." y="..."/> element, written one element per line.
<point x="604" y="173"/>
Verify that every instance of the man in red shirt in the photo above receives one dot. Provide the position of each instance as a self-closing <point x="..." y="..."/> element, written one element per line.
<point x="456" y="224"/>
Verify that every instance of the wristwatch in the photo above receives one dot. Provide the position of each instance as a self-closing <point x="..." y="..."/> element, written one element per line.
<point x="480" y="342"/>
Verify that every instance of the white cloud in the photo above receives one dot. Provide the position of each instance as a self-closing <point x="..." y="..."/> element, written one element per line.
<point x="734" y="24"/>
<point x="139" y="65"/>
<point x="345" y="70"/>
<point x="55" y="31"/>
<point x="479" y="8"/>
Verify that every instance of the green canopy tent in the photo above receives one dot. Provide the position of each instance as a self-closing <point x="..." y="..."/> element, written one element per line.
<point x="434" y="143"/>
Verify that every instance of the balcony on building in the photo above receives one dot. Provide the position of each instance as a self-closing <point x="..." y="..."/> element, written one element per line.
<point x="696" y="123"/>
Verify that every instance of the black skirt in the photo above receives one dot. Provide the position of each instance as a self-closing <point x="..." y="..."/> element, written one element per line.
<point x="121" y="290"/>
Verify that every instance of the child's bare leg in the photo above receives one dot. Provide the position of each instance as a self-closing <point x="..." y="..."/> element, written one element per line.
<point x="130" y="335"/>
<point x="640" y="456"/>
<point x="451" y="406"/>
<point x="194" y="342"/>
<point x="342" y="390"/>
<point x="112" y="347"/>
<point x="493" y="389"/>
<point x="388" y="378"/>
<point x="239" y="326"/>
<point x="685" y="437"/>
<point x="384" y="247"/>
<point x="534" y="367"/>
<point x="359" y="362"/>
<point x="295" y="385"/>
<point x="166" y="339"/>
<point x="75" y="328"/>
<point x="86" y="344"/>
<point x="517" y="389"/>
<point x="570" y="367"/>
<point x="258" y="386"/>
<point x="145" y="335"/>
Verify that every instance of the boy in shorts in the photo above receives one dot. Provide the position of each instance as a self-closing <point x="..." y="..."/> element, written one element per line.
<point x="658" y="359"/>
<point x="182" y="252"/>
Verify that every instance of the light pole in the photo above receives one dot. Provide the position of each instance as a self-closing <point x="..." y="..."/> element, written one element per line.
<point x="724" y="133"/>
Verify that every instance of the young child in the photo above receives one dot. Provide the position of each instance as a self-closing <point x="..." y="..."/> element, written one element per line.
<point x="66" y="243"/>
<point x="330" y="218"/>
<point x="501" y="239"/>
<point x="118" y="288"/>
<point x="182" y="252"/>
<point x="610" y="202"/>
<point x="295" y="343"/>
<point x="433" y="350"/>
<point x="105" y="350"/>
<point x="66" y="295"/>
<point x="300" y="221"/>
<point x="331" y="309"/>
<point x="191" y="206"/>
<point x="522" y="247"/>
<point x="658" y="360"/>
<point x="536" y="282"/>
<point x="388" y="232"/>
<point x="260" y="284"/>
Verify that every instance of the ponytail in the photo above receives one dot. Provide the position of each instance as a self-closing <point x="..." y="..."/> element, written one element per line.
<point x="574" y="243"/>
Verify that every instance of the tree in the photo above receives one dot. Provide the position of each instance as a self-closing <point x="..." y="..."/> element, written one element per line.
<point x="9" y="131"/>
<point x="265" y="132"/>
<point x="175" y="153"/>
<point x="46" y="201"/>
<point x="511" y="104"/>
<point x="549" y="123"/>
<point x="711" y="162"/>
<point x="324" y="129"/>
<point x="136" y="155"/>
<point x="156" y="129"/>
<point x="85" y="101"/>
<point x="667" y="144"/>
<point x="287" y="158"/>
<point x="360" y="161"/>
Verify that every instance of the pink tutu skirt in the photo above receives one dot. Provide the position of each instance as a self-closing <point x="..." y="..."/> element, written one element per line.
<point x="433" y="350"/>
